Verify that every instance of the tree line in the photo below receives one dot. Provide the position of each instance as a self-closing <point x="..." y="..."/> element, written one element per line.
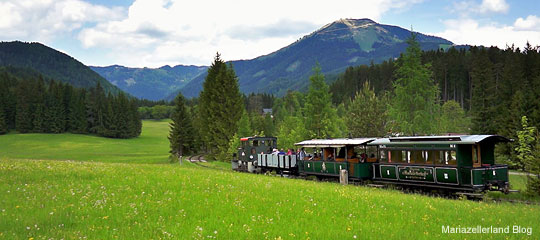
<point x="34" y="104"/>
<point x="254" y="103"/>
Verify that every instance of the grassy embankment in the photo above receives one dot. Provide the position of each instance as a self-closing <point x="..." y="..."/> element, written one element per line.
<point x="44" y="199"/>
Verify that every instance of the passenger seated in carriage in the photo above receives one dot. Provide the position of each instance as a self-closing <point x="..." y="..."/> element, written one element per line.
<point x="330" y="157"/>
<point x="363" y="157"/>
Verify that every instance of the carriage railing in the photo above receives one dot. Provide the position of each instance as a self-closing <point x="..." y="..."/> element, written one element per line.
<point x="276" y="161"/>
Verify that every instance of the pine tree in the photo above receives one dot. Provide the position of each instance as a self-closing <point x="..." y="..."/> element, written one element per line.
<point x="109" y="127"/>
<point x="3" y="94"/>
<point x="38" y="118"/>
<point x="67" y="92"/>
<point x="221" y="107"/>
<point x="182" y="133"/>
<point x="54" y="114"/>
<point x="135" y="119"/>
<point x="23" y="117"/>
<point x="196" y="120"/>
<point x="414" y="104"/>
<point x="366" y="114"/>
<point x="4" y="128"/>
<point x="39" y="107"/>
<point x="244" y="126"/>
<point x="3" y="124"/>
<point x="95" y="105"/>
<point x="122" y="117"/>
<point x="483" y="95"/>
<point x="8" y="98"/>
<point x="321" y="117"/>
<point x="77" y="112"/>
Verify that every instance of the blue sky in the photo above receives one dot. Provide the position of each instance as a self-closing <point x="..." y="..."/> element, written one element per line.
<point x="153" y="33"/>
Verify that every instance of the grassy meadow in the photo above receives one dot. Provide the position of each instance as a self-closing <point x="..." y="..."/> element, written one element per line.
<point x="101" y="194"/>
<point x="517" y="182"/>
<point x="151" y="147"/>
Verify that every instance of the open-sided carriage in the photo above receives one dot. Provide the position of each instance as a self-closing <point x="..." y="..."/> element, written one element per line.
<point x="327" y="157"/>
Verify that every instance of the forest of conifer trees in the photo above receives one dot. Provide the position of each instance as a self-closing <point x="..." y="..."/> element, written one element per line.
<point x="32" y="104"/>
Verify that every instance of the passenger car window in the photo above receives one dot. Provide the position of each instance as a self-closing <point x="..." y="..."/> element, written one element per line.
<point x="382" y="156"/>
<point x="450" y="158"/>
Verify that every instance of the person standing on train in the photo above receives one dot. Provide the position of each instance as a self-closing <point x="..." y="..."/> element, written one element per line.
<point x="301" y="154"/>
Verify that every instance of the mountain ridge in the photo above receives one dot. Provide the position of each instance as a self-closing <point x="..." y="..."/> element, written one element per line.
<point x="335" y="46"/>
<point x="150" y="83"/>
<point x="51" y="63"/>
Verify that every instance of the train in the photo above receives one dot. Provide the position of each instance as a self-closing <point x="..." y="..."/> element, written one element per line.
<point x="458" y="164"/>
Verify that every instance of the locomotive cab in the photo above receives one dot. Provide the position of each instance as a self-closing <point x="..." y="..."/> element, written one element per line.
<point x="246" y="157"/>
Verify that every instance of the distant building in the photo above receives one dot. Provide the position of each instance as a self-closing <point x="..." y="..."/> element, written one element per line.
<point x="267" y="111"/>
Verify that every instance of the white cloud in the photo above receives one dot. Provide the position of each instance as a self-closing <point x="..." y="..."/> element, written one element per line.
<point x="157" y="32"/>
<point x="497" y="6"/>
<point x="531" y="23"/>
<point x="468" y="8"/>
<point x="470" y="31"/>
<point x="44" y="20"/>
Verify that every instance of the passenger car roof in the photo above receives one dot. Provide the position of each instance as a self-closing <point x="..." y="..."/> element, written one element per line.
<point x="338" y="142"/>
<point x="463" y="139"/>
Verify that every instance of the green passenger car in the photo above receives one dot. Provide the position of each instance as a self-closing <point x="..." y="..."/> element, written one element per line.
<point x="327" y="157"/>
<point x="464" y="163"/>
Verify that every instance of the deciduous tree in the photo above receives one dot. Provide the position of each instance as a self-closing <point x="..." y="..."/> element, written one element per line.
<point x="366" y="114"/>
<point x="453" y="118"/>
<point x="527" y="140"/>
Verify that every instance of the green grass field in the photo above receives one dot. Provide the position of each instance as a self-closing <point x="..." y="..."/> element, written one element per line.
<point x="151" y="147"/>
<point x="517" y="182"/>
<point x="68" y="199"/>
<point x="106" y="196"/>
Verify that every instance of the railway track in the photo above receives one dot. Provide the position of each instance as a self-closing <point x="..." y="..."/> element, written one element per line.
<point x="198" y="159"/>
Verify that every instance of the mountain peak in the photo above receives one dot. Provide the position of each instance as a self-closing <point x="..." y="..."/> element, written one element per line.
<point x="356" y="22"/>
<point x="347" y="24"/>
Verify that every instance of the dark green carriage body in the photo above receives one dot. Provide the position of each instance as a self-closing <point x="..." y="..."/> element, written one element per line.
<point x="465" y="163"/>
